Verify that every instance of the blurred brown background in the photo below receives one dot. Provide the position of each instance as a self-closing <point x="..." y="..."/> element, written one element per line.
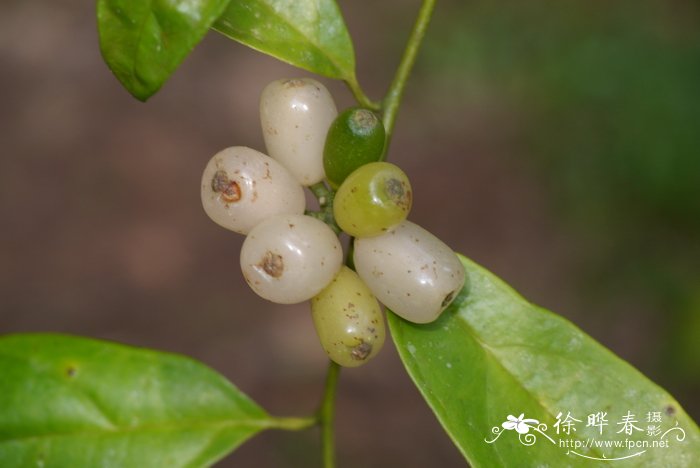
<point x="556" y="143"/>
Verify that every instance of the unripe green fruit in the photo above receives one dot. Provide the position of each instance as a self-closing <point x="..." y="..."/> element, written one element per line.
<point x="295" y="116"/>
<point x="348" y="320"/>
<point x="372" y="199"/>
<point x="355" y="138"/>
<point x="411" y="271"/>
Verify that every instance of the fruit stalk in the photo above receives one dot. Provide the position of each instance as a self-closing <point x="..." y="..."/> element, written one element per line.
<point x="325" y="196"/>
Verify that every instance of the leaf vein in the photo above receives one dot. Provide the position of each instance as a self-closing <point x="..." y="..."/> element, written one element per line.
<point x="217" y="425"/>
<point x="334" y="60"/>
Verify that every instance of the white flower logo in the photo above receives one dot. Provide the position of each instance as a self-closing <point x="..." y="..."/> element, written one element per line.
<point x="522" y="426"/>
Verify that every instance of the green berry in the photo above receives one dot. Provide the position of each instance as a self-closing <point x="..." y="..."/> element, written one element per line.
<point x="372" y="199"/>
<point x="348" y="320"/>
<point x="355" y="138"/>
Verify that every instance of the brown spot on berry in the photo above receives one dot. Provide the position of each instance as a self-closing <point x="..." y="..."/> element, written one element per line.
<point x="272" y="264"/>
<point x="398" y="192"/>
<point x="229" y="189"/>
<point x="361" y="351"/>
<point x="293" y="83"/>
<point x="71" y="371"/>
<point x="670" y="410"/>
<point x="448" y="299"/>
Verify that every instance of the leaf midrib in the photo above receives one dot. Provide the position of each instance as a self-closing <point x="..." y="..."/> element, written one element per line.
<point x="331" y="58"/>
<point x="263" y="422"/>
<point x="214" y="425"/>
<point x="495" y="358"/>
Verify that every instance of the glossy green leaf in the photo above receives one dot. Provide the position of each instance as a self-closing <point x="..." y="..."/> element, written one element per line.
<point x="144" y="41"/>
<point x="492" y="354"/>
<point x="75" y="402"/>
<point x="309" y="34"/>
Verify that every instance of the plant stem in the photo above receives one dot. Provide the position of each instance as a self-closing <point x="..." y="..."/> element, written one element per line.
<point x="293" y="424"/>
<point x="360" y="95"/>
<point x="326" y="416"/>
<point x="324" y="195"/>
<point x="391" y="102"/>
<point x="389" y="106"/>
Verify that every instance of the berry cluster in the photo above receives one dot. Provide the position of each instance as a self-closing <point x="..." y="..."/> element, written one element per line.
<point x="290" y="257"/>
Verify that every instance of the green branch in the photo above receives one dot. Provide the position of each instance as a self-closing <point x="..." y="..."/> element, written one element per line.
<point x="326" y="416"/>
<point x="293" y="424"/>
<point x="389" y="106"/>
<point x="391" y="102"/>
<point x="324" y="195"/>
<point x="360" y="95"/>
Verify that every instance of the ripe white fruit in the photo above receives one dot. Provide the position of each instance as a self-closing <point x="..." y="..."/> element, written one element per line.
<point x="290" y="258"/>
<point x="242" y="187"/>
<point x="295" y="115"/>
<point x="411" y="271"/>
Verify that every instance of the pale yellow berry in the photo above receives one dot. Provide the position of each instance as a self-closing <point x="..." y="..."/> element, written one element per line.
<point x="348" y="320"/>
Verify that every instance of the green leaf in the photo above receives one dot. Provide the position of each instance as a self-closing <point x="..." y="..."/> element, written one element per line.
<point x="493" y="354"/>
<point x="309" y="34"/>
<point x="144" y="41"/>
<point x="75" y="402"/>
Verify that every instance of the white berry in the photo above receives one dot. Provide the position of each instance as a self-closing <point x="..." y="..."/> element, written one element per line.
<point x="242" y="187"/>
<point x="410" y="270"/>
<point x="295" y="115"/>
<point x="290" y="258"/>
